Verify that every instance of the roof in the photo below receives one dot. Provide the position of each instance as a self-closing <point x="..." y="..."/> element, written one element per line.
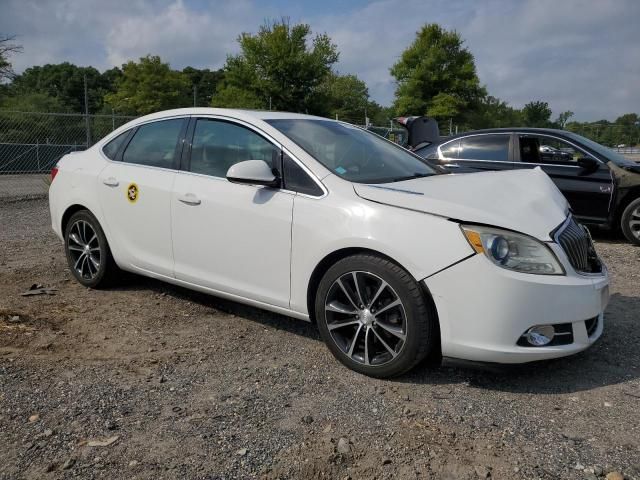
<point x="552" y="131"/>
<point x="231" y="112"/>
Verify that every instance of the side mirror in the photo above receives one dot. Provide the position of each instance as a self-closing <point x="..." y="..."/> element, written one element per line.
<point x="589" y="165"/>
<point x="253" y="172"/>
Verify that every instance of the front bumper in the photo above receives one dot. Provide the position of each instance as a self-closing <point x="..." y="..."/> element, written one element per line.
<point x="484" y="309"/>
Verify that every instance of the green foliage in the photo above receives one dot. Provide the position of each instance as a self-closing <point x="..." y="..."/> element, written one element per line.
<point x="494" y="113"/>
<point x="149" y="86"/>
<point x="277" y="65"/>
<point x="436" y="75"/>
<point x="205" y="82"/>
<point x="563" y="118"/>
<point x="343" y="95"/>
<point x="32" y="102"/>
<point x="537" y="114"/>
<point x="65" y="82"/>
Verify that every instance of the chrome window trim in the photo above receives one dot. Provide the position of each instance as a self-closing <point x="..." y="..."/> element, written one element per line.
<point x="108" y="138"/>
<point x="546" y="135"/>
<point x="442" y="157"/>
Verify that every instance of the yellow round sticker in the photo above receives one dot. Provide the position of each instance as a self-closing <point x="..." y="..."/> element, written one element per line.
<point x="132" y="193"/>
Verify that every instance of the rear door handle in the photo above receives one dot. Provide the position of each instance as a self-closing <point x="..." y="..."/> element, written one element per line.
<point x="189" y="199"/>
<point x="111" y="182"/>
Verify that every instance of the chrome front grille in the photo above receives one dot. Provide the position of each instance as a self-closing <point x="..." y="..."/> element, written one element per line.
<point x="576" y="243"/>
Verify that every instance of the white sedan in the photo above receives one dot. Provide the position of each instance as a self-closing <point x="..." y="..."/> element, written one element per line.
<point x="326" y="222"/>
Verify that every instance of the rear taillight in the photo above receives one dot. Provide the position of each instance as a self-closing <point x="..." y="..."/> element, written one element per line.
<point x="54" y="172"/>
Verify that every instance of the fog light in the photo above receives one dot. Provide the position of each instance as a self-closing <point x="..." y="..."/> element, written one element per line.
<point x="540" y="335"/>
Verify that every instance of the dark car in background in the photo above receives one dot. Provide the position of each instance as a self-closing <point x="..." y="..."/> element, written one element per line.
<point x="602" y="186"/>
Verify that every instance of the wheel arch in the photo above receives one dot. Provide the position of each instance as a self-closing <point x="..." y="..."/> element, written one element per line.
<point x="70" y="210"/>
<point x="337" y="255"/>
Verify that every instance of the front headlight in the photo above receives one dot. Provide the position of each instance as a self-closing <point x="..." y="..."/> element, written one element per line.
<point x="513" y="251"/>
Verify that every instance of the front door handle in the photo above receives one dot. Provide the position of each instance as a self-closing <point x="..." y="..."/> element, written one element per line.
<point x="110" y="182"/>
<point x="189" y="199"/>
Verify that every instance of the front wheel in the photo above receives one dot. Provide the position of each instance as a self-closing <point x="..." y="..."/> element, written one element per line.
<point x="87" y="250"/>
<point x="630" y="222"/>
<point x="374" y="317"/>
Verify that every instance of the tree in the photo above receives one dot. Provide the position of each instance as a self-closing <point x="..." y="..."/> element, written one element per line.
<point x="7" y="48"/>
<point x="563" y="118"/>
<point x="537" y="114"/>
<point x="204" y="82"/>
<point x="436" y="75"/>
<point x="32" y="102"/>
<point x="494" y="113"/>
<point x="278" y="67"/>
<point x="65" y="82"/>
<point x="149" y="86"/>
<point x="345" y="96"/>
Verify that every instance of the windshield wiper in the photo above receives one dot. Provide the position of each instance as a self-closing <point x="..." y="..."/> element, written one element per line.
<point x="411" y="177"/>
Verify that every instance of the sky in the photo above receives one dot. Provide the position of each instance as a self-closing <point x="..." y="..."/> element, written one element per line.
<point x="578" y="55"/>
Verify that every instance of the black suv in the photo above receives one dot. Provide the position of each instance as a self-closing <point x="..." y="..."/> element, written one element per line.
<point x="602" y="186"/>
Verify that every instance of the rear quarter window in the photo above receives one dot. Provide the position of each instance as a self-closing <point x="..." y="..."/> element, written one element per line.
<point x="112" y="148"/>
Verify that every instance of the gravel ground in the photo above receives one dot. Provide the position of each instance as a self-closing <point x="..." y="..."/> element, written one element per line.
<point x="153" y="381"/>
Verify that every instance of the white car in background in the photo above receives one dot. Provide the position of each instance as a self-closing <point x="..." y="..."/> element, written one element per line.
<point x="323" y="221"/>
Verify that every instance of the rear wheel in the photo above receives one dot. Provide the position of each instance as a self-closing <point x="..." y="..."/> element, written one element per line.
<point x="87" y="250"/>
<point x="630" y="222"/>
<point x="374" y="317"/>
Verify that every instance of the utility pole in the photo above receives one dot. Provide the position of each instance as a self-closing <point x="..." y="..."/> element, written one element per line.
<point x="269" y="103"/>
<point x="195" y="94"/>
<point x="86" y="111"/>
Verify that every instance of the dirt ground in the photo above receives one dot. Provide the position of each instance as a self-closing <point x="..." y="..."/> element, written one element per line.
<point x="152" y="381"/>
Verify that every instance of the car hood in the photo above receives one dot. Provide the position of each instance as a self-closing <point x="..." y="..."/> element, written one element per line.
<point x="526" y="201"/>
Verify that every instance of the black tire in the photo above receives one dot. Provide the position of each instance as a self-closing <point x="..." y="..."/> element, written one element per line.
<point x="420" y="328"/>
<point x="629" y="222"/>
<point x="88" y="274"/>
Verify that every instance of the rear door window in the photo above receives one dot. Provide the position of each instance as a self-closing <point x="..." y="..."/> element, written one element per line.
<point x="451" y="149"/>
<point x="154" y="144"/>
<point x="485" y="147"/>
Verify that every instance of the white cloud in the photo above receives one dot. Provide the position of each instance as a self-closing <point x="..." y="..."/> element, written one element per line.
<point x="578" y="55"/>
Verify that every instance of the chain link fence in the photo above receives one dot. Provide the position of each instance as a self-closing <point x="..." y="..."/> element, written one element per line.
<point x="32" y="143"/>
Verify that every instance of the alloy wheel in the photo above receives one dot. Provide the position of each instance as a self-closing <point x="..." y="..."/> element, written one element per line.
<point x="84" y="249"/>
<point x="634" y="223"/>
<point x="366" y="318"/>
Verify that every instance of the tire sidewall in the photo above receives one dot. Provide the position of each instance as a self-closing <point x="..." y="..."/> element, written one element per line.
<point x="414" y="311"/>
<point x="86" y="216"/>
<point x="624" y="221"/>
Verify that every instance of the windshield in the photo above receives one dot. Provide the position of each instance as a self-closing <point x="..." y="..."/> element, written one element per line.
<point x="607" y="153"/>
<point x="353" y="153"/>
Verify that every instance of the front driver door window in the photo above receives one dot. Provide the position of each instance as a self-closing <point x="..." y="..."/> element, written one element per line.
<point x="220" y="228"/>
<point x="588" y="193"/>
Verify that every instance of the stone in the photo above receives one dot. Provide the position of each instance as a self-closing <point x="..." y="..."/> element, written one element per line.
<point x="69" y="462"/>
<point x="343" y="446"/>
<point x="614" y="476"/>
<point x="34" y="418"/>
<point x="482" y="471"/>
<point x="308" y="419"/>
<point x="242" y="452"/>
